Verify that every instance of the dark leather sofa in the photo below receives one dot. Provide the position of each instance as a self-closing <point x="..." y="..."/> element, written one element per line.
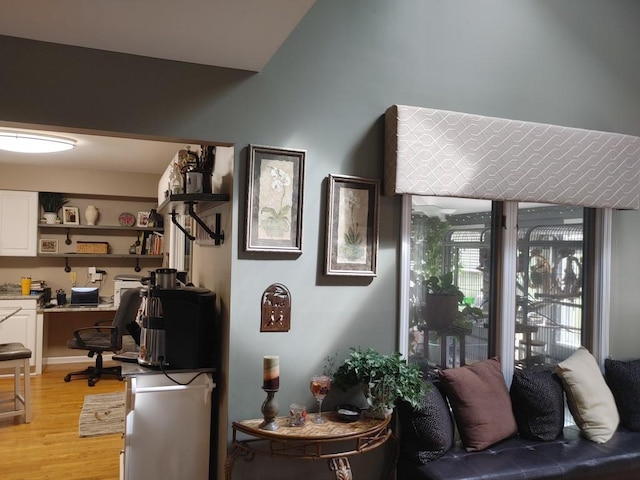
<point x="570" y="456"/>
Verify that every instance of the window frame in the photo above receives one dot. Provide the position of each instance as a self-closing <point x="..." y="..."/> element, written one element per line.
<point x="596" y="281"/>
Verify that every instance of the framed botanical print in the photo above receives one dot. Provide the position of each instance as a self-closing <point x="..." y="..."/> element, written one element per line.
<point x="352" y="226"/>
<point x="275" y="186"/>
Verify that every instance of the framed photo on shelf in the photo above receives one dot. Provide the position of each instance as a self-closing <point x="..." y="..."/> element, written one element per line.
<point x="70" y="216"/>
<point x="275" y="188"/>
<point x="352" y="226"/>
<point x="48" y="245"/>
<point x="143" y="219"/>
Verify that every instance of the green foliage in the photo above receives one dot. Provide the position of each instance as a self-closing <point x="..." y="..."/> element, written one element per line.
<point x="353" y="237"/>
<point x="385" y="377"/>
<point x="276" y="221"/>
<point x="52" y="201"/>
<point x="443" y="285"/>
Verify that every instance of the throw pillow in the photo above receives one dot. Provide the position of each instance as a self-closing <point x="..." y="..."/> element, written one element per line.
<point x="590" y="400"/>
<point x="427" y="433"/>
<point x="538" y="404"/>
<point x="481" y="404"/>
<point x="624" y="380"/>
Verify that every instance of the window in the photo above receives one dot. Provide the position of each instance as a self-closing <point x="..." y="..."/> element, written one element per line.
<point x="456" y="237"/>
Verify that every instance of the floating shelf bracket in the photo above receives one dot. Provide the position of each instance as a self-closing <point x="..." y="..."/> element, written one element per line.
<point x="218" y="235"/>
<point x="67" y="268"/>
<point x="180" y="227"/>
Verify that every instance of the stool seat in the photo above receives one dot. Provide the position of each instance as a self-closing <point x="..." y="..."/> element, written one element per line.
<point x="13" y="351"/>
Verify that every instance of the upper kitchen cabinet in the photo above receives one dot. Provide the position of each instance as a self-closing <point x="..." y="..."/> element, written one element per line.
<point x="18" y="223"/>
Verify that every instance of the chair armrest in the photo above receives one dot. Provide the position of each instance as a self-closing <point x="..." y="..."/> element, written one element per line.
<point x="108" y="321"/>
<point x="76" y="334"/>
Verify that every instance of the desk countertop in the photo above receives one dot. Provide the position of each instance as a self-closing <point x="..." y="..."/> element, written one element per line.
<point x="66" y="308"/>
<point x="18" y="296"/>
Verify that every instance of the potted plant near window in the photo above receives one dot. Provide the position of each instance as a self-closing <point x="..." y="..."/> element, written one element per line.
<point x="384" y="379"/>
<point x="51" y="202"/>
<point x="442" y="301"/>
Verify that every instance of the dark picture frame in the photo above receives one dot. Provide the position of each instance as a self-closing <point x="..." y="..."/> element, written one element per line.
<point x="352" y="226"/>
<point x="275" y="189"/>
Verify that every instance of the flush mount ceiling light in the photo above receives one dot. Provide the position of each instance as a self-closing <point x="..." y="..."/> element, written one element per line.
<point x="23" y="142"/>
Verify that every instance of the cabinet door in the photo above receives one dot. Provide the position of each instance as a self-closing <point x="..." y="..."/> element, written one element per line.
<point x="18" y="223"/>
<point x="21" y="328"/>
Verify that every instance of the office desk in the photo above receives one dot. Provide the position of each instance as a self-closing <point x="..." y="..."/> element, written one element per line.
<point x="58" y="324"/>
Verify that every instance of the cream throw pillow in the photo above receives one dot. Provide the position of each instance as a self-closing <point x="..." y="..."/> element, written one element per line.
<point x="590" y="399"/>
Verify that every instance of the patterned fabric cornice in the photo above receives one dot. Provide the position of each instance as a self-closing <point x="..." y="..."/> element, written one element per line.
<point x="451" y="154"/>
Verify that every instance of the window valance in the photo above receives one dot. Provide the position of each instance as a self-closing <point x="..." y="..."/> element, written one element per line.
<point x="443" y="153"/>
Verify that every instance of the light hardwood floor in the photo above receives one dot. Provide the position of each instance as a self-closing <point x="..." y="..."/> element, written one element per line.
<point x="49" y="447"/>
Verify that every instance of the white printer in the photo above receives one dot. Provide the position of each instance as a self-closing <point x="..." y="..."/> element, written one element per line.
<point x="121" y="283"/>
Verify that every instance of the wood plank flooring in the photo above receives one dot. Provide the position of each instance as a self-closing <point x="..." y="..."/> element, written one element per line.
<point x="49" y="447"/>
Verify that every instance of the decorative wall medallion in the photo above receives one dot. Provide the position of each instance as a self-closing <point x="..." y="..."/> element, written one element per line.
<point x="276" y="309"/>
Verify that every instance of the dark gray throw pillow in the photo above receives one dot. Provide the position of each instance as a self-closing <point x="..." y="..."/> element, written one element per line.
<point x="427" y="433"/>
<point x="537" y="400"/>
<point x="623" y="379"/>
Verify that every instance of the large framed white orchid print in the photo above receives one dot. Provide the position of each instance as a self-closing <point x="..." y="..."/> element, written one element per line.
<point x="275" y="187"/>
<point x="352" y="226"/>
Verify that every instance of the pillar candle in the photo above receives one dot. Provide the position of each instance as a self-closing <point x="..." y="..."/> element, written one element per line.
<point x="271" y="372"/>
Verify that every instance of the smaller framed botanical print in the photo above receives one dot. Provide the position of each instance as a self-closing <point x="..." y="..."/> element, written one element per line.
<point x="352" y="226"/>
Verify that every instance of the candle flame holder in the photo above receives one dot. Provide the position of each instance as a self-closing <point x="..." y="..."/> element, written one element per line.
<point x="270" y="410"/>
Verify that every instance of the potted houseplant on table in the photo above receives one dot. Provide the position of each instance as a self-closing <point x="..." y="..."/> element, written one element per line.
<point x="51" y="202"/>
<point x="383" y="378"/>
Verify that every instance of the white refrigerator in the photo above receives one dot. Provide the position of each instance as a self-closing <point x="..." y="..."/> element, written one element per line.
<point x="167" y="426"/>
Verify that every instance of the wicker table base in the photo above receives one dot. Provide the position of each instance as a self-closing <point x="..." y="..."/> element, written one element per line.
<point x="334" y="441"/>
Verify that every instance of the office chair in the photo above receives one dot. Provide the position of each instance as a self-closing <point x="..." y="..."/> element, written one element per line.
<point x="99" y="339"/>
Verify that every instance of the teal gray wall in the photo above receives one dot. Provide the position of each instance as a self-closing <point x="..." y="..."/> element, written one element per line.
<point x="574" y="63"/>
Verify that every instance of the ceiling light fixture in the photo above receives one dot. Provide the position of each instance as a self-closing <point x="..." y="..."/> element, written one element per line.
<point x="34" y="143"/>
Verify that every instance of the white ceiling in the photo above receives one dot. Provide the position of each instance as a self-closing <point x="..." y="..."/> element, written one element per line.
<point x="240" y="34"/>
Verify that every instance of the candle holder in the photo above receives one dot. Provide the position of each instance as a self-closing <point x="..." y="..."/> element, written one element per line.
<point x="269" y="410"/>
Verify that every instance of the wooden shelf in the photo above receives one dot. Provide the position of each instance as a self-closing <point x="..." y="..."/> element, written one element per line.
<point x="183" y="203"/>
<point x="179" y="201"/>
<point x="98" y="255"/>
<point x="118" y="228"/>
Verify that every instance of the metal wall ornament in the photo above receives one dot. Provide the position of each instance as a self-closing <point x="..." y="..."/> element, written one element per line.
<point x="276" y="309"/>
<point x="352" y="226"/>
<point x="275" y="187"/>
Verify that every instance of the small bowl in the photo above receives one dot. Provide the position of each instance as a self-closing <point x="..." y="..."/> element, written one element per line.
<point x="347" y="413"/>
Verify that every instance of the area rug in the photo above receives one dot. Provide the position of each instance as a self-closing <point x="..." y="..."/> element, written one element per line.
<point x="102" y="414"/>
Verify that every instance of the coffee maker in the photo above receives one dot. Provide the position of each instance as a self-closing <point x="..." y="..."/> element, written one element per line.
<point x="178" y="328"/>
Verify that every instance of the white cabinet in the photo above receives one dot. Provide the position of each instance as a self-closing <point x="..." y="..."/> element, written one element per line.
<point x="18" y="223"/>
<point x="22" y="327"/>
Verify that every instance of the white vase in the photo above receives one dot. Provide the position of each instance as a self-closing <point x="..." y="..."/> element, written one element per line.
<point x="91" y="215"/>
<point x="50" y="217"/>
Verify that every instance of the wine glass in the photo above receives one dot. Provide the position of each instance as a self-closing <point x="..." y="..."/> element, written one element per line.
<point x="320" y="385"/>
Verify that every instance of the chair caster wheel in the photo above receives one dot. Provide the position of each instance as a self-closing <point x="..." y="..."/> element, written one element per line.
<point x="91" y="383"/>
<point x="67" y="378"/>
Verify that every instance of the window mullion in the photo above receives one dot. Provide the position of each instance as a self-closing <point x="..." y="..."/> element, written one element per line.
<point x="506" y="324"/>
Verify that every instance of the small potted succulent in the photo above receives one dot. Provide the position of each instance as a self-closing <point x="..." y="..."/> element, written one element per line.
<point x="384" y="378"/>
<point x="51" y="202"/>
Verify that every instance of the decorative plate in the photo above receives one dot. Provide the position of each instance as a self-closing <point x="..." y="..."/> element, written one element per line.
<point x="127" y="219"/>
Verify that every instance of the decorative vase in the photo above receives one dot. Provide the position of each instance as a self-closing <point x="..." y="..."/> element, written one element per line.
<point x="91" y="215"/>
<point x="50" y="217"/>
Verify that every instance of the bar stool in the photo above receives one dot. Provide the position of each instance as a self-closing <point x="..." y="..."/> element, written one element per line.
<point x="17" y="356"/>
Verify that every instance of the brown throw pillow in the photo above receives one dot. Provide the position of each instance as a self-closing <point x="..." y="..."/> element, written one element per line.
<point x="481" y="404"/>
